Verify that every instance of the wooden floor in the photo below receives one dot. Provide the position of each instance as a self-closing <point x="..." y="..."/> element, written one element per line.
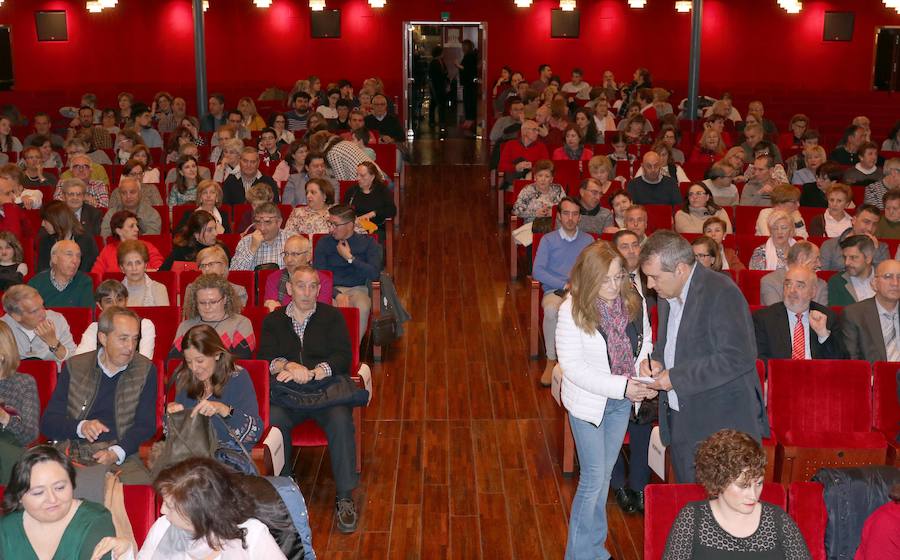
<point x="460" y="444"/>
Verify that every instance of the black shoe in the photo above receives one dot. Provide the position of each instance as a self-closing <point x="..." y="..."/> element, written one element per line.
<point x="623" y="498"/>
<point x="345" y="513"/>
<point x="638" y="501"/>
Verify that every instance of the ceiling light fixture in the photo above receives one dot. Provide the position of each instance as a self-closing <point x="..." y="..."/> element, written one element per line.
<point x="567" y="5"/>
<point x="523" y="3"/>
<point x="791" y="6"/>
<point x="317" y="5"/>
<point x="108" y="3"/>
<point x="377" y="3"/>
<point x="683" y="6"/>
<point x="205" y="5"/>
<point x="262" y="3"/>
<point x="94" y="7"/>
<point x="637" y="3"/>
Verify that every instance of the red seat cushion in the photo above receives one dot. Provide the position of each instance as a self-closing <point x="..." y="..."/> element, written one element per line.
<point x="832" y="440"/>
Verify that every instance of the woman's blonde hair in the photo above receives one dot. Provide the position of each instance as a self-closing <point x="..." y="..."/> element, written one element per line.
<point x="598" y="162"/>
<point x="590" y="271"/>
<point x="720" y="146"/>
<point x="210" y="282"/>
<point x="9" y="351"/>
<point x="776" y="216"/>
<point x="208" y="184"/>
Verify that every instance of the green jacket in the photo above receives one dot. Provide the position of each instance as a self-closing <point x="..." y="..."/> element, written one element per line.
<point x="840" y="290"/>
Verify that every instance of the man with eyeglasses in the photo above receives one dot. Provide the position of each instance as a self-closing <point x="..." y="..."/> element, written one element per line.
<point x="266" y="244"/>
<point x="78" y="147"/>
<point x="353" y="259"/>
<point x="235" y="186"/>
<point x="386" y="125"/>
<point x="73" y="194"/>
<point x="297" y="253"/>
<point x="891" y="181"/>
<point x="41" y="334"/>
<point x="594" y="217"/>
<point x="801" y="253"/>
<point x="870" y="327"/>
<point x="96" y="193"/>
<point x="131" y="198"/>
<point x="516" y="155"/>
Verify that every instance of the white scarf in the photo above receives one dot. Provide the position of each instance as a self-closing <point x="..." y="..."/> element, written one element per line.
<point x="772" y="254"/>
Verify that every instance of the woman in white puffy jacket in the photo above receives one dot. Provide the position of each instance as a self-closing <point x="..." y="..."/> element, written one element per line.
<point x="602" y="335"/>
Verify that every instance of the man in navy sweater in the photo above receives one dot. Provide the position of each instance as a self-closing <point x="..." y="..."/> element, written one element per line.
<point x="353" y="259"/>
<point x="104" y="404"/>
<point x="653" y="187"/>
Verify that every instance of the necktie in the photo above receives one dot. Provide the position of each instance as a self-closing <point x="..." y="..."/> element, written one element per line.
<point x="633" y="281"/>
<point x="798" y="345"/>
<point x="890" y="345"/>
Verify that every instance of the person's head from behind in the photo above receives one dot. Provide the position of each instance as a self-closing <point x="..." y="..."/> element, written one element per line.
<point x="110" y="293"/>
<point x="207" y="363"/>
<point x="297" y="252"/>
<point x="267" y="219"/>
<point x="858" y="252"/>
<point x="667" y="261"/>
<point x="25" y="305"/>
<point x="887" y="283"/>
<point x="59" y="219"/>
<point x="211" y="298"/>
<point x="303" y="287"/>
<point x="866" y="219"/>
<point x="636" y="220"/>
<point x="786" y="197"/>
<point x="258" y="194"/>
<point x="628" y="244"/>
<point x="118" y="332"/>
<point x="730" y="465"/>
<point x="65" y="258"/>
<point x="600" y="168"/>
<point x="707" y="253"/>
<point x="199" y="498"/>
<point x="599" y="274"/>
<point x="342" y="218"/>
<point x="42" y="484"/>
<point x="715" y="228"/>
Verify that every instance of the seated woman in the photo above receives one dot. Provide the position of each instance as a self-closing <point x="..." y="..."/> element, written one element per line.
<point x="294" y="166"/>
<point x="258" y="194"/>
<point x="42" y="518"/>
<point x="124" y="226"/>
<point x="179" y="137"/>
<point x="601" y="169"/>
<point x="733" y="522"/>
<point x="697" y="208"/>
<point x="620" y="151"/>
<point x="735" y="158"/>
<point x="126" y="141"/>
<point x="669" y="136"/>
<point x="149" y="193"/>
<point x="834" y="221"/>
<point x="209" y="198"/>
<point x="313" y="218"/>
<point x="151" y="174"/>
<point x="251" y="119"/>
<point x="707" y="252"/>
<point x="714" y="228"/>
<point x="620" y="201"/>
<point x="866" y="171"/>
<point x="229" y="163"/>
<point x="584" y="120"/>
<point x="20" y="413"/>
<point x="278" y="123"/>
<point x="13" y="268"/>
<point x="204" y="515"/>
<point x="108" y="294"/>
<point x="573" y="147"/>
<point x="813" y="157"/>
<point x="538" y="199"/>
<point x="892" y="142"/>
<point x="709" y="149"/>
<point x="199" y="232"/>
<point x="371" y="198"/>
<point x="773" y="255"/>
<point x="210" y="382"/>
<point x="667" y="168"/>
<point x="787" y="198"/>
<point x="34" y="175"/>
<point x="210" y="300"/>
<point x="59" y="222"/>
<point x="184" y="189"/>
<point x="214" y="260"/>
<point x="142" y="291"/>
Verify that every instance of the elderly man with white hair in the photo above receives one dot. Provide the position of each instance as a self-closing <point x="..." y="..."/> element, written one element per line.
<point x="97" y="193"/>
<point x="62" y="285"/>
<point x="41" y="334"/>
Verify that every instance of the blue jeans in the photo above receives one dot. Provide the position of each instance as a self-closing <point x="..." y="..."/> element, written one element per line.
<point x="597" y="449"/>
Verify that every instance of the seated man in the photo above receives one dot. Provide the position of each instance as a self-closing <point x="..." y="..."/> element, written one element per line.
<point x="314" y="168"/>
<point x="515" y="117"/>
<point x="62" y="285"/>
<point x="553" y="262"/>
<point x="266" y="244"/>
<point x="308" y="341"/>
<point x="891" y="181"/>
<point x="797" y="328"/>
<point x="73" y="191"/>
<point x="216" y="115"/>
<point x="855" y="283"/>
<point x="131" y="198"/>
<point x="386" y="125"/>
<point x="760" y="185"/>
<point x="104" y="404"/>
<point x="236" y="119"/>
<point x="96" y="193"/>
<point x="297" y="252"/>
<point x="354" y="260"/>
<point x="864" y="222"/>
<point x="42" y="125"/>
<point x="223" y="134"/>
<point x="516" y="156"/>
<point x="235" y="187"/>
<point x="802" y="253"/>
<point x="845" y="154"/>
<point x="594" y="217"/>
<point x="143" y="120"/>
<point x="652" y="187"/>
<point x="889" y="224"/>
<point x="869" y="327"/>
<point x="79" y="147"/>
<point x="41" y="334"/>
<point x="636" y="221"/>
<point x="297" y="119"/>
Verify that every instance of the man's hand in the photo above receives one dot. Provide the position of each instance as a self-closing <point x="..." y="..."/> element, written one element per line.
<point x="523" y="165"/>
<point x="92" y="429"/>
<point x="295" y="372"/>
<point x="544" y="212"/>
<point x="650" y="367"/>
<point x="662" y="381"/>
<point x="46" y="331"/>
<point x="342" y="300"/>
<point x="767" y="188"/>
<point x="106" y="457"/>
<point x="873" y="238"/>
<point x="256" y="239"/>
<point x="818" y="322"/>
<point x="343" y="249"/>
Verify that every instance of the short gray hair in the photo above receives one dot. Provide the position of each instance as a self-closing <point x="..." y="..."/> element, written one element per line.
<point x="670" y="247"/>
<point x="13" y="298"/>
<point x="106" y="322"/>
<point x="73" y="182"/>
<point x="800" y="250"/>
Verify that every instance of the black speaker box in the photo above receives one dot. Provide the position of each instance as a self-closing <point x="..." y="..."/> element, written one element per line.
<point x="326" y="24"/>
<point x="51" y="26"/>
<point x="564" y="25"/>
<point x="838" y="26"/>
<point x="6" y="67"/>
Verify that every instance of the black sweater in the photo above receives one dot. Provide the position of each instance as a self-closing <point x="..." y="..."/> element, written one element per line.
<point x="325" y="339"/>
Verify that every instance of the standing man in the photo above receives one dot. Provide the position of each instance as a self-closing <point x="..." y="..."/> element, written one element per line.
<point x="704" y="362"/>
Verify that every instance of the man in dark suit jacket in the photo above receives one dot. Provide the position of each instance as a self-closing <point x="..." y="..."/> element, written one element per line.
<point x="235" y="187"/>
<point x="308" y="341"/>
<point x="704" y="360"/>
<point x="867" y="326"/>
<point x="73" y="195"/>
<point x="775" y="325"/>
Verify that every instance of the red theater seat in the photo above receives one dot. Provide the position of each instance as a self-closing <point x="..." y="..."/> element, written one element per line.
<point x="885" y="408"/>
<point x="79" y="318"/>
<point x="807" y="507"/>
<point x="166" y="321"/>
<point x="140" y="504"/>
<point x="167" y="278"/>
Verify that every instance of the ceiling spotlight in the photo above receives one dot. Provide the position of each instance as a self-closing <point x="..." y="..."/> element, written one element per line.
<point x="683" y="6"/>
<point x="567" y="5"/>
<point x="205" y="5"/>
<point x="94" y="7"/>
<point x="377" y="3"/>
<point x="791" y="6"/>
<point x="523" y="3"/>
<point x="262" y="3"/>
<point x="108" y="3"/>
<point x="637" y="3"/>
<point x="317" y="5"/>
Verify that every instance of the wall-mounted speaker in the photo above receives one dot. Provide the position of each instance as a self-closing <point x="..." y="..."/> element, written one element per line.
<point x="564" y="25"/>
<point x="838" y="26"/>
<point x="326" y="24"/>
<point x="6" y="67"/>
<point x="51" y="26"/>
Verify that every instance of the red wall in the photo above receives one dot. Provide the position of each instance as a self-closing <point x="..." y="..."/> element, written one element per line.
<point x="749" y="46"/>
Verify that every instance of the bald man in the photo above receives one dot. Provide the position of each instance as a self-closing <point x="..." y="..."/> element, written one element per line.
<point x="870" y="327"/>
<point x="653" y="187"/>
<point x="62" y="285"/>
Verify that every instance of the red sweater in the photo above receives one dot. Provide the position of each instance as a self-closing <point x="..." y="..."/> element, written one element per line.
<point x="108" y="261"/>
<point x="14" y="220"/>
<point x="516" y="150"/>
<point x="880" y="534"/>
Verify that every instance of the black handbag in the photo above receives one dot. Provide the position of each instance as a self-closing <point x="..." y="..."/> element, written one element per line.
<point x="384" y="329"/>
<point x="334" y="390"/>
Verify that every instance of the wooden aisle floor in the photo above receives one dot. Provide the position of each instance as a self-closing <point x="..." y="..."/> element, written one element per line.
<point x="461" y="447"/>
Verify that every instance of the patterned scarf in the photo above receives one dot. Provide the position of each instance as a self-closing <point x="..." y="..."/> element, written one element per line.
<point x="573" y="154"/>
<point x="613" y="322"/>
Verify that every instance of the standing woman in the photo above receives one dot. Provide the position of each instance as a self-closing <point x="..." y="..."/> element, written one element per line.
<point x="20" y="413"/>
<point x="601" y="337"/>
<point x="371" y="198"/>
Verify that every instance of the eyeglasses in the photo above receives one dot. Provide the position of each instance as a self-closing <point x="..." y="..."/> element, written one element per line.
<point x="81" y="166"/>
<point x="617" y="279"/>
<point x="890" y="277"/>
<point x="265" y="221"/>
<point x="211" y="302"/>
<point x="697" y="194"/>
<point x="294" y="254"/>
<point x="136" y="174"/>
<point x="209" y="265"/>
<point x="340" y="224"/>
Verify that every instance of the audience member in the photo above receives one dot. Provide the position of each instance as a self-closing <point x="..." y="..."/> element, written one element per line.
<point x="866" y="170"/>
<point x="258" y="194"/>
<point x="76" y="147"/>
<point x="214" y="260"/>
<point x="846" y="151"/>
<point x="131" y="195"/>
<point x="759" y="186"/>
<point x="628" y="244"/>
<point x="20" y="413"/>
<point x="889" y="224"/>
<point x="712" y="382"/>
<point x="715" y="228"/>
<point x="96" y="193"/>
<point x="891" y="181"/>
<point x="264" y="245"/>
<point x="719" y="182"/>
<point x="869" y="327"/>
<point x="305" y="342"/>
<point x="636" y="221"/>
<point x="890" y="144"/>
<point x="132" y="256"/>
<point x="124" y="228"/>
<point x="63" y="284"/>
<point x="370" y="198"/>
<point x="314" y="167"/>
<point x="235" y="187"/>
<point x="707" y="252"/>
<point x="296" y="119"/>
<point x="111" y="293"/>
<point x="803" y="253"/>
<point x="34" y="175"/>
<point x="805" y="177"/>
<point x="210" y="300"/>
<point x="773" y="255"/>
<point x="216" y="115"/>
<point x="226" y="165"/>
<point x="385" y="124"/>
<point x="864" y="222"/>
<point x="620" y="201"/>
<point x="698" y="207"/>
<point x="834" y="221"/>
<point x="518" y="156"/>
<point x="41" y="123"/>
<point x="79" y="416"/>
<point x="40" y="333"/>
<point x="573" y="147"/>
<point x="667" y="167"/>
<point x="209" y="199"/>
<point x="297" y="252"/>
<point x="798" y="328"/>
<point x="28" y="199"/>
<point x="199" y="232"/>
<point x="342" y="156"/>
<point x="855" y="283"/>
<point x="184" y="189"/>
<point x="59" y="223"/>
<point x="784" y="197"/>
<point x="594" y="217"/>
<point x="537" y="199"/>
<point x="652" y="187"/>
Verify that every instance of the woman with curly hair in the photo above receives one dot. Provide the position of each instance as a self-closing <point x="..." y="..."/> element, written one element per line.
<point x="733" y="522"/>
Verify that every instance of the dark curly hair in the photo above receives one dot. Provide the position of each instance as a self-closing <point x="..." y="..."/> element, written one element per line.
<point x="728" y="456"/>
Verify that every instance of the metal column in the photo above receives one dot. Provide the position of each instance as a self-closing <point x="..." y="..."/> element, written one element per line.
<point x="694" y="69"/>
<point x="200" y="58"/>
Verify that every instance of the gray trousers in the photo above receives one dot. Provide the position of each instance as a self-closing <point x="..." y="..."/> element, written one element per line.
<point x="550" y="303"/>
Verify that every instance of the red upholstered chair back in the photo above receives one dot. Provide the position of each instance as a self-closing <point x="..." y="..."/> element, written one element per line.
<point x="746" y="244"/>
<point x="567" y="172"/>
<point x="140" y="503"/>
<point x="664" y="501"/>
<point x="749" y="281"/>
<point x="163" y="242"/>
<point x="807" y="508"/>
<point x="78" y="318"/>
<point x="247" y="279"/>
<point x="259" y="374"/>
<point x="386" y="157"/>
<point x="885" y="409"/>
<point x="351" y="317"/>
<point x="230" y="241"/>
<point x="179" y="210"/>
<point x="166" y="321"/>
<point x="44" y="373"/>
<point x="262" y="278"/>
<point x="820" y="395"/>
<point x="659" y="216"/>
<point x="745" y="219"/>
<point x="256" y="314"/>
<point x="345" y="187"/>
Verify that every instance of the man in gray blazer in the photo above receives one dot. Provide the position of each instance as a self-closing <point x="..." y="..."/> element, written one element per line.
<point x="803" y="253"/>
<point x="870" y="327"/>
<point x="704" y="361"/>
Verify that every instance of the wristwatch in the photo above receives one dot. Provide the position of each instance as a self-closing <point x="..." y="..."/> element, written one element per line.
<point x="54" y="348"/>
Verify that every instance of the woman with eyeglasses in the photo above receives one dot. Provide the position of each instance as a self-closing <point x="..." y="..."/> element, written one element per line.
<point x="199" y="232"/>
<point x="283" y="136"/>
<point x="707" y="252"/>
<point x="602" y="336"/>
<point x="697" y="208"/>
<point x="210" y="300"/>
<point x="214" y="260"/>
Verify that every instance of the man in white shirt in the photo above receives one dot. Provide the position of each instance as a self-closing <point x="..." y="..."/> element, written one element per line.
<point x="870" y="328"/>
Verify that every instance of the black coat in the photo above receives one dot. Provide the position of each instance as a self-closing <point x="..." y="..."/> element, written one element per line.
<point x="90" y="219"/>
<point x="326" y="339"/>
<point x="774" y="336"/>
